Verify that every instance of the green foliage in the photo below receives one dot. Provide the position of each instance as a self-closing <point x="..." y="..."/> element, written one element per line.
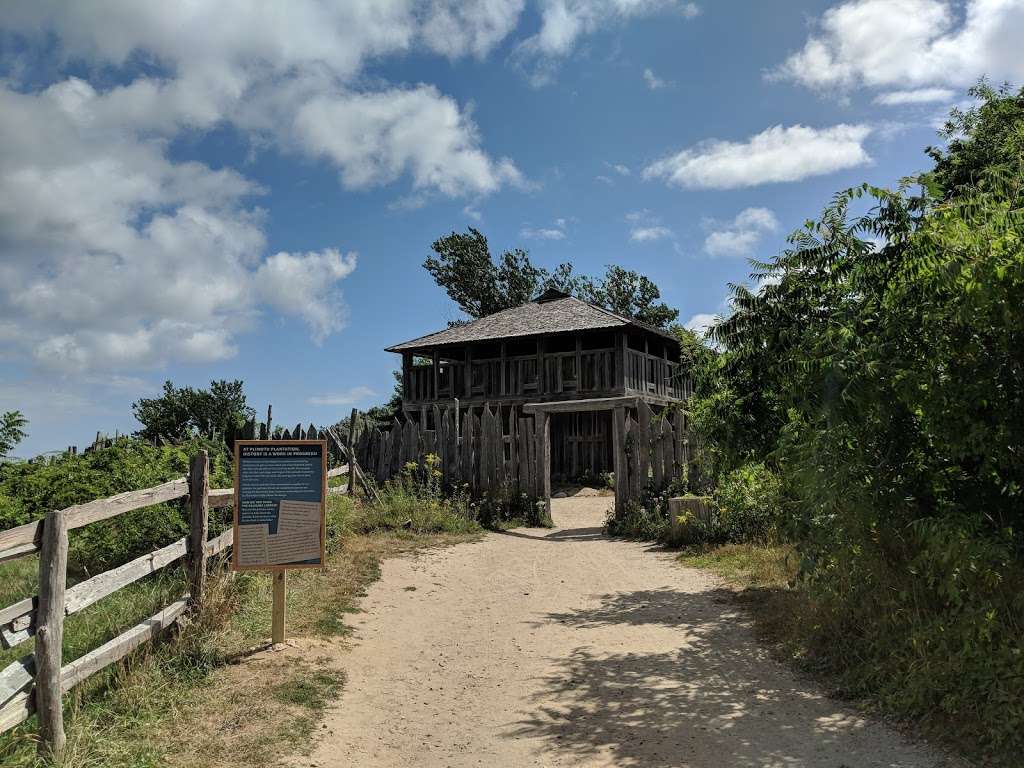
<point x="12" y="431"/>
<point x="879" y="374"/>
<point x="29" y="490"/>
<point x="749" y="505"/>
<point x="180" y="413"/>
<point x="628" y="293"/>
<point x="464" y="268"/>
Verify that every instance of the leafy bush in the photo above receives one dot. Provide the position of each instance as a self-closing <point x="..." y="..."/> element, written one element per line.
<point x="748" y="501"/>
<point x="29" y="489"/>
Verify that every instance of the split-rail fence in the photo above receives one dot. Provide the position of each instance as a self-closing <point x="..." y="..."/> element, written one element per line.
<point x="35" y="683"/>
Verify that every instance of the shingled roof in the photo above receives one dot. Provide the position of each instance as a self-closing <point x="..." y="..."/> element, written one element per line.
<point x="553" y="312"/>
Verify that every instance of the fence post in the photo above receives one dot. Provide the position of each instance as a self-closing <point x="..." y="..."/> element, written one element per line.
<point x="199" y="524"/>
<point x="619" y="457"/>
<point x="352" y="453"/>
<point x="543" y="437"/>
<point x="53" y="567"/>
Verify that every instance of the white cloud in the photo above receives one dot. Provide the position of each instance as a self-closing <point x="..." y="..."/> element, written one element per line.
<point x="473" y="212"/>
<point x="456" y="28"/>
<point x="346" y="397"/>
<point x="910" y="44"/>
<point x="776" y="154"/>
<point x="916" y="96"/>
<point x="374" y="138"/>
<point x="564" y="22"/>
<point x="306" y="284"/>
<point x="700" y="323"/>
<point x="653" y="81"/>
<point x="543" y="233"/>
<point x="605" y="179"/>
<point x="646" y="227"/>
<point x="649" y="234"/>
<point x="619" y="168"/>
<point x="742" y="234"/>
<point x="116" y="256"/>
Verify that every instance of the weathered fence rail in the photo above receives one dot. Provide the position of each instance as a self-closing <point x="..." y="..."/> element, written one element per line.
<point x="36" y="682"/>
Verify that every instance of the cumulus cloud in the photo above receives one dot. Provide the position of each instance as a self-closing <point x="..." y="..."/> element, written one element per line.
<point x="564" y="22"/>
<point x="374" y="138"/>
<point x="346" y="397"/>
<point x="909" y="44"/>
<point x="116" y="255"/>
<point x="306" y="284"/>
<point x="777" y="154"/>
<point x="456" y="28"/>
<point x="739" y="236"/>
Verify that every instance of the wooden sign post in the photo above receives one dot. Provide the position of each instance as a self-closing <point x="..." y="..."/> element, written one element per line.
<point x="280" y="512"/>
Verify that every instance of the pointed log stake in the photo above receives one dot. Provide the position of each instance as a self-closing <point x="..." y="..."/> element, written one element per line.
<point x="53" y="566"/>
<point x="352" y="452"/>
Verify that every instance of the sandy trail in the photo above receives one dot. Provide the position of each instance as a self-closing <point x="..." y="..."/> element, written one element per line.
<point x="565" y="648"/>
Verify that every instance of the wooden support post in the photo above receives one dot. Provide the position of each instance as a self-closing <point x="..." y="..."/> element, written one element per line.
<point x="620" y="362"/>
<point x="277" y="634"/>
<point x="351" y="452"/>
<point x="199" y="525"/>
<point x="436" y="371"/>
<point x="467" y="377"/>
<point x="53" y="567"/>
<point x="541" y="386"/>
<point x="543" y="422"/>
<point x="504" y="372"/>
<point x="407" y="393"/>
<point x="619" y="457"/>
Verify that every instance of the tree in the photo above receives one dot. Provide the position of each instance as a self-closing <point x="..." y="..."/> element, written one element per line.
<point x="979" y="139"/>
<point x="12" y="432"/>
<point x="881" y="369"/>
<point x="180" y="413"/>
<point x="628" y="293"/>
<point x="464" y="268"/>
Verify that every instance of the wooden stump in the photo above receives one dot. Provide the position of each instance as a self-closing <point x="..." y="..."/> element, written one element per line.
<point x="685" y="516"/>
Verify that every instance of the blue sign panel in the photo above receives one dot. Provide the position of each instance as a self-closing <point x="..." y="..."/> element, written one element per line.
<point x="280" y="488"/>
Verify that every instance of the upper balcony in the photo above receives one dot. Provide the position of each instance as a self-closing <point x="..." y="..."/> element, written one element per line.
<point x="552" y="349"/>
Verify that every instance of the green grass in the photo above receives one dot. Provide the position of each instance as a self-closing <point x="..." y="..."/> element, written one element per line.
<point x="211" y="695"/>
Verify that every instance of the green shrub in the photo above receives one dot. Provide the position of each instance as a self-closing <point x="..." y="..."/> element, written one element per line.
<point x="749" y="505"/>
<point x="29" y="490"/>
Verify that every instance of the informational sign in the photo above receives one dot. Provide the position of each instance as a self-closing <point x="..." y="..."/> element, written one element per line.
<point x="280" y="513"/>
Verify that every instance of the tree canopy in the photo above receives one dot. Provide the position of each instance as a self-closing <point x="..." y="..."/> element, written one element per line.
<point x="12" y="431"/>
<point x="879" y="370"/>
<point x="481" y="286"/>
<point x="183" y="412"/>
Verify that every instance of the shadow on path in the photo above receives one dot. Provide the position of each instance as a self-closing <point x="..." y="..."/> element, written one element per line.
<point x="714" y="701"/>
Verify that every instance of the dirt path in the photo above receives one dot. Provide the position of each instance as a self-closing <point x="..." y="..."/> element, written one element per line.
<point x="564" y="648"/>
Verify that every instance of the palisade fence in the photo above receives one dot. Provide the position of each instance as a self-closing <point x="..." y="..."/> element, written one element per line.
<point x="35" y="683"/>
<point x="507" y="450"/>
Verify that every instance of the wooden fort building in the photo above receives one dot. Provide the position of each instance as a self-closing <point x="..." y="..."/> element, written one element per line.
<point x="556" y="356"/>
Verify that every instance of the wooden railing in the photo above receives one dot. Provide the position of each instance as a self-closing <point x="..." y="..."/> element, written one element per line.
<point x="592" y="371"/>
<point x="653" y="375"/>
<point x="35" y="683"/>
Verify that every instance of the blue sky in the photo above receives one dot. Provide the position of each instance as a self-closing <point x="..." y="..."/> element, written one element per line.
<point x="250" y="193"/>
